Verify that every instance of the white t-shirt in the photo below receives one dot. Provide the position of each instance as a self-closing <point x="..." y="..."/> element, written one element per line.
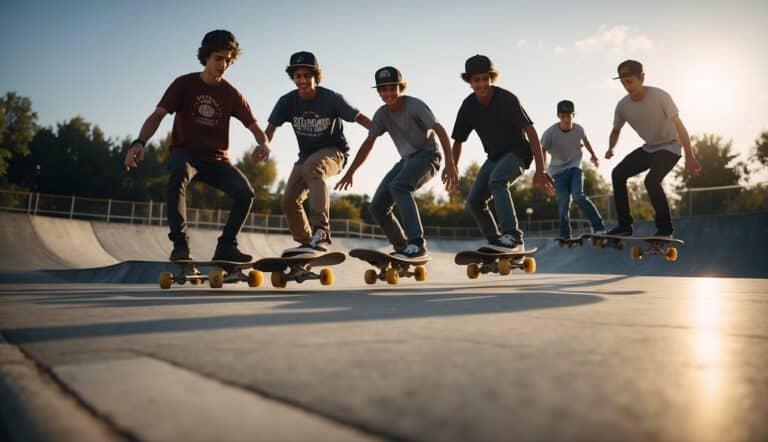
<point x="564" y="147"/>
<point x="651" y="118"/>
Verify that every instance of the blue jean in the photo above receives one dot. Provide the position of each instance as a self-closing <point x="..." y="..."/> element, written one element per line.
<point x="493" y="181"/>
<point x="570" y="183"/>
<point x="397" y="187"/>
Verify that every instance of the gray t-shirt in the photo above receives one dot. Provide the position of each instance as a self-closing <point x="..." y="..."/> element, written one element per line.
<point x="564" y="147"/>
<point x="410" y="126"/>
<point x="651" y="118"/>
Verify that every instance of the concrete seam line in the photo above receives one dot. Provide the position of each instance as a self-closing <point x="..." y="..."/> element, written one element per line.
<point x="37" y="407"/>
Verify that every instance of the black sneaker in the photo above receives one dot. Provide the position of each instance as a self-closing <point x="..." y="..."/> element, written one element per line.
<point x="411" y="251"/>
<point x="230" y="252"/>
<point x="621" y="231"/>
<point x="318" y="244"/>
<point x="664" y="234"/>
<point x="506" y="243"/>
<point x="181" y="252"/>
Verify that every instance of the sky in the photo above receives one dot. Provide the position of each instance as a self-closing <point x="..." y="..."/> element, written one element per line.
<point x="110" y="62"/>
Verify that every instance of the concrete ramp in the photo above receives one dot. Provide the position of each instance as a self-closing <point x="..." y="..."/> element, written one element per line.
<point x="72" y="241"/>
<point x="20" y="247"/>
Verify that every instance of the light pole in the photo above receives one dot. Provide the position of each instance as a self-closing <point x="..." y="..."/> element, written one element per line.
<point x="529" y="212"/>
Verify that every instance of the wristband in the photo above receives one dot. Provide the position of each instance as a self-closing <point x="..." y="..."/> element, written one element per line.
<point x="139" y="140"/>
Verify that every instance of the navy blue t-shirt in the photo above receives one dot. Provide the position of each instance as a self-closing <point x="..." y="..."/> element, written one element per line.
<point x="499" y="125"/>
<point x="317" y="122"/>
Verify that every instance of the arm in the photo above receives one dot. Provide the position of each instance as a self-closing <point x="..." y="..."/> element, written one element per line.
<point x="692" y="165"/>
<point x="612" y="140"/>
<point x="362" y="154"/>
<point x="456" y="153"/>
<point x="593" y="157"/>
<point x="261" y="152"/>
<point x="450" y="175"/>
<point x="540" y="178"/>
<point x="363" y="120"/>
<point x="135" y="152"/>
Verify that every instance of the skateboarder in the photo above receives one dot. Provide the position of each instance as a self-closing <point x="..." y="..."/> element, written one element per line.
<point x="563" y="141"/>
<point x="316" y="114"/>
<point x="202" y="103"/>
<point x="500" y="122"/>
<point x="412" y="127"/>
<point x="653" y="115"/>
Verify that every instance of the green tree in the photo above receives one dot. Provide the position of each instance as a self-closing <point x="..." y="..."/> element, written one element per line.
<point x="760" y="149"/>
<point x="262" y="176"/>
<point x="18" y="125"/>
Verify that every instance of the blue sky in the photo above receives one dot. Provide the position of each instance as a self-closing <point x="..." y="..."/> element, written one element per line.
<point x="111" y="61"/>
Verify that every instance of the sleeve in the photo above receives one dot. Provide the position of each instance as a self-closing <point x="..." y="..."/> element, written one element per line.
<point x="519" y="115"/>
<point x="344" y="109"/>
<point x="424" y="115"/>
<point x="280" y="113"/>
<point x="668" y="106"/>
<point x="242" y="110"/>
<point x="462" y="127"/>
<point x="173" y="96"/>
<point x="618" y="118"/>
<point x="377" y="125"/>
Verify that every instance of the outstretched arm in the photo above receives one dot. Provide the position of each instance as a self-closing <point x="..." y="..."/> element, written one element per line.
<point x="692" y="165"/>
<point x="450" y="175"/>
<point x="135" y="152"/>
<point x="362" y="120"/>
<point x="362" y="154"/>
<point x="261" y="152"/>
<point x="613" y="138"/>
<point x="593" y="157"/>
<point x="540" y="177"/>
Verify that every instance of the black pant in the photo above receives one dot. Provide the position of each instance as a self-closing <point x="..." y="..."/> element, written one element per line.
<point x="659" y="163"/>
<point x="184" y="167"/>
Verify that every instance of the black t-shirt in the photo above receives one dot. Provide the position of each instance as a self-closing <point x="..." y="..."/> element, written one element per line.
<point x="499" y="125"/>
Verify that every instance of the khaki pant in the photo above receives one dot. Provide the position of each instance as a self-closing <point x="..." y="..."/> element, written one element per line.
<point x="309" y="178"/>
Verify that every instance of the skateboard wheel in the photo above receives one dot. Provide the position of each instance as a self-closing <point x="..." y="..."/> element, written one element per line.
<point x="671" y="254"/>
<point x="371" y="276"/>
<point x="636" y="253"/>
<point x="326" y="276"/>
<point x="196" y="281"/>
<point x="255" y="278"/>
<point x="216" y="278"/>
<point x="505" y="267"/>
<point x="278" y="280"/>
<point x="166" y="279"/>
<point x="472" y="271"/>
<point x="420" y="273"/>
<point x="392" y="276"/>
<point x="620" y="246"/>
<point x="529" y="264"/>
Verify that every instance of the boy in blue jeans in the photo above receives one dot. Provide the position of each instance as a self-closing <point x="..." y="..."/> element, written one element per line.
<point x="563" y="141"/>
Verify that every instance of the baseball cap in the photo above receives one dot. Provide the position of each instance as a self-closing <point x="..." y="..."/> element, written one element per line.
<point x="303" y="59"/>
<point x="388" y="75"/>
<point x="219" y="37"/>
<point x="565" y="106"/>
<point x="628" y="68"/>
<point x="478" y="64"/>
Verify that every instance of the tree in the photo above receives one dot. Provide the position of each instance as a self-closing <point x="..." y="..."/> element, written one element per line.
<point x="760" y="150"/>
<point x="261" y="176"/>
<point x="18" y="125"/>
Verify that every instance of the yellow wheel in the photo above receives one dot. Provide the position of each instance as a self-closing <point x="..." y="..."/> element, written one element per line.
<point x="601" y="243"/>
<point x="255" y="278"/>
<point x="420" y="273"/>
<point x="529" y="264"/>
<point x="216" y="278"/>
<point x="472" y="271"/>
<point x="166" y="279"/>
<point x="278" y="280"/>
<point x="326" y="276"/>
<point x="505" y="267"/>
<point x="636" y="253"/>
<point x="671" y="254"/>
<point x="392" y="276"/>
<point x="196" y="281"/>
<point x="620" y="246"/>
<point x="371" y="276"/>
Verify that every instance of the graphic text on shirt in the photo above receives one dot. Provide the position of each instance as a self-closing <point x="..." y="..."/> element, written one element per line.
<point x="206" y="110"/>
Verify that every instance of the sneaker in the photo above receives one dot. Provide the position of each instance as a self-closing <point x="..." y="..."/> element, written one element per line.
<point x="598" y="232"/>
<point x="181" y="252"/>
<point x="621" y="231"/>
<point x="318" y="244"/>
<point x="411" y="251"/>
<point x="666" y="234"/>
<point x="506" y="243"/>
<point x="230" y="252"/>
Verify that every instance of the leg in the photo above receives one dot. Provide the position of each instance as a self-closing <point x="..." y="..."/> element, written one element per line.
<point x="562" y="190"/>
<point x="419" y="168"/>
<point x="319" y="166"/>
<point x="381" y="209"/>
<point x="585" y="204"/>
<point x="662" y="163"/>
<point x="230" y="180"/>
<point x="506" y="172"/>
<point x="182" y="171"/>
<point x="477" y="201"/>
<point x="294" y="195"/>
<point x="634" y="163"/>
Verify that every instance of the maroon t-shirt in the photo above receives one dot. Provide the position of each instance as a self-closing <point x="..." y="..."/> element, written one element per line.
<point x="201" y="124"/>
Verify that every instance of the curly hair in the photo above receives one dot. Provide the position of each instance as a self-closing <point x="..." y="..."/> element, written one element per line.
<point x="316" y="72"/>
<point x="218" y="40"/>
<point x="494" y="74"/>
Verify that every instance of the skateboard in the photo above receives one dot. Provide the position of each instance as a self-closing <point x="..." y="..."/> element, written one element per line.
<point x="390" y="268"/>
<point x="299" y="268"/>
<point x="478" y="262"/>
<point x="222" y="272"/>
<point x="654" y="245"/>
<point x="570" y="242"/>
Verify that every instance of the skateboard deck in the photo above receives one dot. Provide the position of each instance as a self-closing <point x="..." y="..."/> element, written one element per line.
<point x="570" y="242"/>
<point x="654" y="245"/>
<point x="299" y="268"/>
<point x="478" y="262"/>
<point x="390" y="268"/>
<point x="222" y="272"/>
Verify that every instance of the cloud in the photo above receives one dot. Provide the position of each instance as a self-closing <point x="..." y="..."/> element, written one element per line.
<point x="559" y="49"/>
<point x="640" y="43"/>
<point x="521" y="43"/>
<point x="613" y="39"/>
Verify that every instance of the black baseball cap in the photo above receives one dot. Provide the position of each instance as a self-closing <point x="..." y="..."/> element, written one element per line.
<point x="628" y="68"/>
<point x="565" y="106"/>
<point x="478" y="64"/>
<point x="303" y="59"/>
<point x="220" y="37"/>
<point x="388" y="75"/>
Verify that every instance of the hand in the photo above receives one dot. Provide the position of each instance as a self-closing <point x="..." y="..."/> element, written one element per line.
<point x="134" y="156"/>
<point x="260" y="153"/>
<point x="693" y="166"/>
<point x="544" y="182"/>
<point x="345" y="182"/>
<point x="450" y="177"/>
<point x="609" y="153"/>
<point x="595" y="161"/>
